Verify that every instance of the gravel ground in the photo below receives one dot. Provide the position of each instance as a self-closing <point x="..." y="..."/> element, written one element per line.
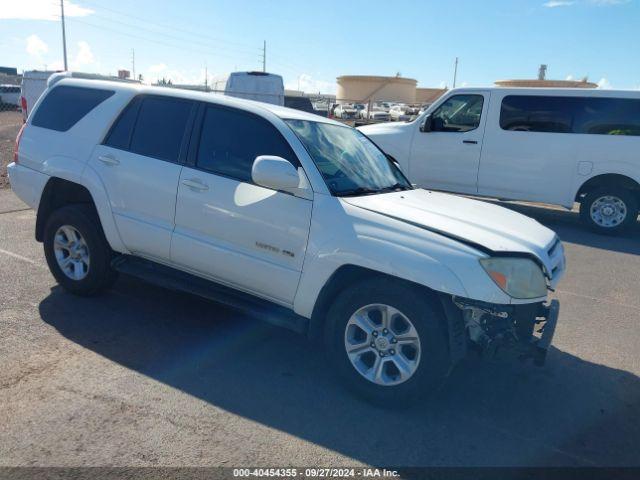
<point x="10" y="123"/>
<point x="142" y="376"/>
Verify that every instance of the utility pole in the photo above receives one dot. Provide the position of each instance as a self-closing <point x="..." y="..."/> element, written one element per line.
<point x="264" y="56"/>
<point x="133" y="63"/>
<point x="455" y="73"/>
<point x="64" y="36"/>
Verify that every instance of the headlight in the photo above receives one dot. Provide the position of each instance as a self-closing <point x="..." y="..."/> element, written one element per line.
<point x="517" y="277"/>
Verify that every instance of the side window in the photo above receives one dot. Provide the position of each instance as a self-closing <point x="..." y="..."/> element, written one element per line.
<point x="608" y="116"/>
<point x="65" y="106"/>
<point x="459" y="113"/>
<point x="231" y="140"/>
<point x="120" y="134"/>
<point x="160" y="127"/>
<point x="536" y="113"/>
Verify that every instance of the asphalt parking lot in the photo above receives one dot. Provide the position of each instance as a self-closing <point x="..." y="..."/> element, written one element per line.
<point x="144" y="376"/>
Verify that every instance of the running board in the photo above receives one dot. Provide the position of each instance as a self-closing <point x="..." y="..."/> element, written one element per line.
<point x="173" y="279"/>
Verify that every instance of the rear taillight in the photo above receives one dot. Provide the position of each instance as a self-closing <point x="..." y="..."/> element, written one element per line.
<point x="23" y="104"/>
<point x="15" y="152"/>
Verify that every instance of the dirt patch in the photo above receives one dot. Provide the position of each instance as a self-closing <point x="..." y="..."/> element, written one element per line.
<point x="10" y="123"/>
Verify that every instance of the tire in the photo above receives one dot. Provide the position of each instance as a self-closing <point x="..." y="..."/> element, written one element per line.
<point x="622" y="204"/>
<point x="405" y="302"/>
<point x="86" y="258"/>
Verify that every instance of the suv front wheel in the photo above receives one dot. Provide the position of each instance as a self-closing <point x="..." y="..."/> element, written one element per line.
<point x="387" y="341"/>
<point x="76" y="250"/>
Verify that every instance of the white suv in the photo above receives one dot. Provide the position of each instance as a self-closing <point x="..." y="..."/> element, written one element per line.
<point x="296" y="218"/>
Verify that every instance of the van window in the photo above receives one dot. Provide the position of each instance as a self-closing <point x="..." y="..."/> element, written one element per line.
<point x="65" y="106"/>
<point x="231" y="140"/>
<point x="459" y="113"/>
<point x="160" y="127"/>
<point x="590" y="115"/>
<point x="120" y="134"/>
<point x="608" y="116"/>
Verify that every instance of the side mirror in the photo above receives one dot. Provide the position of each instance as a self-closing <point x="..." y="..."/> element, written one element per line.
<point x="425" y="126"/>
<point x="274" y="172"/>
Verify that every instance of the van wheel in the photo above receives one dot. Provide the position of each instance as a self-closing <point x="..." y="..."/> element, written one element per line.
<point x="609" y="210"/>
<point x="77" y="251"/>
<point x="387" y="341"/>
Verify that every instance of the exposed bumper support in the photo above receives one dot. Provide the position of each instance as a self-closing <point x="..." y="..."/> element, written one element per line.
<point x="490" y="328"/>
<point x="548" y="331"/>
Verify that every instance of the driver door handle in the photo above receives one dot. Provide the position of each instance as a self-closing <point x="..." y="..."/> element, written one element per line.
<point x="472" y="142"/>
<point x="195" y="184"/>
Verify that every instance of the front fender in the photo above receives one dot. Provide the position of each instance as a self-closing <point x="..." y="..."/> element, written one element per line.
<point x="342" y="234"/>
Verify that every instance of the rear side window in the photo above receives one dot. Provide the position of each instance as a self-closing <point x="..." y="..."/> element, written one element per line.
<point x="65" y="106"/>
<point x="590" y="115"/>
<point x="160" y="127"/>
<point x="231" y="140"/>
<point x="120" y="134"/>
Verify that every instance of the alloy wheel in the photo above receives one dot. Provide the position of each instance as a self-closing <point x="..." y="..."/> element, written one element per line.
<point x="72" y="252"/>
<point x="382" y="344"/>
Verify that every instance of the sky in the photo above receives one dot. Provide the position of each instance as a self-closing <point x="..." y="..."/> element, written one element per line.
<point x="312" y="42"/>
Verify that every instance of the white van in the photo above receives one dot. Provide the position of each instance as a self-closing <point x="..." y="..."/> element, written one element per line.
<point x="556" y="146"/>
<point x="34" y="82"/>
<point x="259" y="86"/>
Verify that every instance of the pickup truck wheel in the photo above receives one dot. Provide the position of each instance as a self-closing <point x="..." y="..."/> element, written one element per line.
<point x="609" y="210"/>
<point x="387" y="341"/>
<point x="77" y="252"/>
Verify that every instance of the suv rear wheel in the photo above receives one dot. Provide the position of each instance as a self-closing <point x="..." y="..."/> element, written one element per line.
<point x="387" y="341"/>
<point x="609" y="210"/>
<point x="76" y="250"/>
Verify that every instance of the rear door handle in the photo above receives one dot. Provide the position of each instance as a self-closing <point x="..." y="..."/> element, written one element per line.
<point x="472" y="142"/>
<point x="108" y="159"/>
<point x="195" y="184"/>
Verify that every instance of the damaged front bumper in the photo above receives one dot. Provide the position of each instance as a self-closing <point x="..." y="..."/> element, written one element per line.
<point x="526" y="330"/>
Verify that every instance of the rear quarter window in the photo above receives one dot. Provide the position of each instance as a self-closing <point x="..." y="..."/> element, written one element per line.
<point x="65" y="106"/>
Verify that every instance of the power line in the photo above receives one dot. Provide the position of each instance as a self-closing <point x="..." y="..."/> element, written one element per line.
<point x="160" y="42"/>
<point x="208" y="45"/>
<point x="164" y="27"/>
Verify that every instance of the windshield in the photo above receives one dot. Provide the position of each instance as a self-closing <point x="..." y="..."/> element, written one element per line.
<point x="349" y="162"/>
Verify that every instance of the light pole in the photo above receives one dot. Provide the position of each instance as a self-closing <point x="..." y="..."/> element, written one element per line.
<point x="64" y="36"/>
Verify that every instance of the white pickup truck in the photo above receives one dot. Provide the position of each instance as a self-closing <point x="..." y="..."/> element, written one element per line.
<point x="296" y="218"/>
<point x="556" y="146"/>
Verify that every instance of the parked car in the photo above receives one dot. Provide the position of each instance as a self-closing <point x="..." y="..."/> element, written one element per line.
<point x="376" y="114"/>
<point x="9" y="96"/>
<point x="299" y="103"/>
<point x="360" y="108"/>
<point x="34" y="82"/>
<point x="214" y="196"/>
<point x="398" y="113"/>
<point x="556" y="146"/>
<point x="345" y="111"/>
<point x="258" y="86"/>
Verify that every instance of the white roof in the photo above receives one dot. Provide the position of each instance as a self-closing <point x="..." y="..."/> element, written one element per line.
<point x="568" y="92"/>
<point x="260" y="108"/>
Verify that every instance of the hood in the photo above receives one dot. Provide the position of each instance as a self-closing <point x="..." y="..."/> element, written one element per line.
<point x="382" y="128"/>
<point x="482" y="225"/>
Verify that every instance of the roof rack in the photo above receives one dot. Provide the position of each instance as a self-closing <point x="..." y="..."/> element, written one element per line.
<point x="56" y="77"/>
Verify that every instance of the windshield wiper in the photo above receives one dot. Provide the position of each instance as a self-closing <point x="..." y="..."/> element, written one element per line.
<point x="397" y="187"/>
<point x="358" y="191"/>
